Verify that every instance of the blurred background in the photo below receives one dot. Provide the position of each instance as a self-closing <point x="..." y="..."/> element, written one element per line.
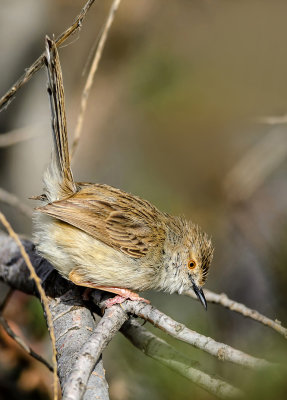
<point x="188" y="110"/>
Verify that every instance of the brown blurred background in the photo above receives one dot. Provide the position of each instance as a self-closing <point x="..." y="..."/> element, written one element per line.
<point x="174" y="116"/>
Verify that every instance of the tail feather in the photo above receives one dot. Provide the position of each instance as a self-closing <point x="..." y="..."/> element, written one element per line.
<point x="58" y="179"/>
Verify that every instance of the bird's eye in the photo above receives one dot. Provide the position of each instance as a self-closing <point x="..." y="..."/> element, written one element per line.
<point x="191" y="264"/>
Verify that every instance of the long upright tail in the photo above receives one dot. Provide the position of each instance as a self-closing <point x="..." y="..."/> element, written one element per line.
<point x="58" y="178"/>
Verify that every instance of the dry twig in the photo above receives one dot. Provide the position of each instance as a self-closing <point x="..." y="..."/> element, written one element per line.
<point x="14" y="201"/>
<point x="240" y="308"/>
<point x="43" y="296"/>
<point x="22" y="344"/>
<point x="29" y="72"/>
<point x="255" y="166"/>
<point x="90" y="78"/>
<point x="5" y="298"/>
<point x="179" y="331"/>
<point x="162" y="352"/>
<point x="18" y="135"/>
<point x="272" y="120"/>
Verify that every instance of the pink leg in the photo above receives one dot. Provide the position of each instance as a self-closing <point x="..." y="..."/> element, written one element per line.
<point x="122" y="295"/>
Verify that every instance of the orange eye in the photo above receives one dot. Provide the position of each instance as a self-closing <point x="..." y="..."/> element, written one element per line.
<point x="191" y="264"/>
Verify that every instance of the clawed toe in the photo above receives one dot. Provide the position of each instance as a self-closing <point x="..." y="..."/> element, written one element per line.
<point x="120" y="299"/>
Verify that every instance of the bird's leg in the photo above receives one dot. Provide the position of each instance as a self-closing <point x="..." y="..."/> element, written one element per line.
<point x="122" y="294"/>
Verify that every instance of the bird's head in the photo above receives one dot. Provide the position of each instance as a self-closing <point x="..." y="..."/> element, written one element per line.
<point x="190" y="256"/>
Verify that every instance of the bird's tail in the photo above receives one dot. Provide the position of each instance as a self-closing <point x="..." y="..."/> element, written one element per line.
<point x="58" y="178"/>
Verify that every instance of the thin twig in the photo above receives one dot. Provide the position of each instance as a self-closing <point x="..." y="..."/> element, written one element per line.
<point x="14" y="201"/>
<point x="22" y="344"/>
<point x="108" y="326"/>
<point x="5" y="299"/>
<point x="29" y="72"/>
<point x="162" y="352"/>
<point x="272" y="120"/>
<point x="255" y="166"/>
<point x="43" y="296"/>
<point x="179" y="331"/>
<point x="240" y="308"/>
<point x="90" y="78"/>
<point x="18" y="135"/>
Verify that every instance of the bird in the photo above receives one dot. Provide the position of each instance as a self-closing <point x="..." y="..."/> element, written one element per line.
<point x="101" y="237"/>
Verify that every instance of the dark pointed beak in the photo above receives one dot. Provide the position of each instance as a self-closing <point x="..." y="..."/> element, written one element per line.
<point x="199" y="293"/>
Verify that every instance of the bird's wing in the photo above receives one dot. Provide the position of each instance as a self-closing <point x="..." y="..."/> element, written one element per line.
<point x="120" y="220"/>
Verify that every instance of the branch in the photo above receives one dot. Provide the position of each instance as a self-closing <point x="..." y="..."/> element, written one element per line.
<point x="14" y="201"/>
<point x="18" y="135"/>
<point x="108" y="326"/>
<point x="90" y="78"/>
<point x="6" y="293"/>
<point x="162" y="352"/>
<point x="272" y="119"/>
<point x="29" y="72"/>
<point x="240" y="308"/>
<point x="42" y="293"/>
<point x="73" y="322"/>
<point x="249" y="173"/>
<point x="14" y="275"/>
<point x="22" y="344"/>
<point x="17" y="276"/>
<point x="179" y="331"/>
<point x="75" y="328"/>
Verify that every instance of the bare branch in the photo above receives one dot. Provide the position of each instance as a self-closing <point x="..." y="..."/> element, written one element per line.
<point x="22" y="344"/>
<point x="74" y="329"/>
<point x="6" y="293"/>
<point x="255" y="166"/>
<point x="41" y="291"/>
<point x="240" y="308"/>
<point x="16" y="275"/>
<point x="29" y="72"/>
<point x="14" y="201"/>
<point x="179" y="331"/>
<point x="18" y="135"/>
<point x="108" y="326"/>
<point x="162" y="352"/>
<point x="73" y="322"/>
<point x="272" y="120"/>
<point x="93" y="69"/>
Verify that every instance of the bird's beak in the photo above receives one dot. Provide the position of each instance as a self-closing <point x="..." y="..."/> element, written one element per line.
<point x="199" y="293"/>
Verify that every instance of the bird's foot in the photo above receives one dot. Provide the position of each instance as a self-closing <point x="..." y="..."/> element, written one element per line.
<point x="124" y="295"/>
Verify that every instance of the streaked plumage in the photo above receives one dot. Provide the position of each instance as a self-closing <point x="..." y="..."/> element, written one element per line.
<point x="97" y="235"/>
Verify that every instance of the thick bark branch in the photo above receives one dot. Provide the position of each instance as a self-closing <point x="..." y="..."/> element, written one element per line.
<point x="72" y="319"/>
<point x="105" y="330"/>
<point x="74" y="329"/>
<point x="42" y="294"/>
<point x="73" y="322"/>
